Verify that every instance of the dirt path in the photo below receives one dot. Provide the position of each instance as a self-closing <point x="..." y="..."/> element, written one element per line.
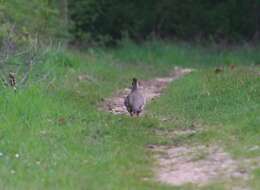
<point x="201" y="165"/>
<point x="179" y="165"/>
<point x="150" y="89"/>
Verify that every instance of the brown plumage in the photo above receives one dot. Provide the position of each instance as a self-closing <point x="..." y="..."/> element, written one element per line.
<point x="219" y="70"/>
<point x="232" y="66"/>
<point x="12" y="80"/>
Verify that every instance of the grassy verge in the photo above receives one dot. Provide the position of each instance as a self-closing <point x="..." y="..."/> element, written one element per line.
<point x="54" y="137"/>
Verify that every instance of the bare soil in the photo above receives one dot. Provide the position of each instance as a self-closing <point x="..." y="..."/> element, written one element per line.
<point x="179" y="165"/>
<point x="199" y="165"/>
<point x="149" y="88"/>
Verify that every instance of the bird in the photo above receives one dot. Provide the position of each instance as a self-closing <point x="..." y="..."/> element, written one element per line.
<point x="134" y="102"/>
<point x="219" y="70"/>
<point x="232" y="66"/>
<point x="12" y="80"/>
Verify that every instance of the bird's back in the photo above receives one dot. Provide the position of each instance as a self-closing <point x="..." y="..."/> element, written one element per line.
<point x="135" y="102"/>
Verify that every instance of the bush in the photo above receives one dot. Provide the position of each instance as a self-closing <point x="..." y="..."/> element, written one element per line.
<point x="202" y="19"/>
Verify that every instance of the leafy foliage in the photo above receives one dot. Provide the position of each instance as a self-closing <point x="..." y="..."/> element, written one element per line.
<point x="28" y="19"/>
<point x="25" y="27"/>
<point x="225" y="19"/>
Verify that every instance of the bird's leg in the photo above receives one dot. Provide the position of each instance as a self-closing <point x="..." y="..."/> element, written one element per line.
<point x="138" y="113"/>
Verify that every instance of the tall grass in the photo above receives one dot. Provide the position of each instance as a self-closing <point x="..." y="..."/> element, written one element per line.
<point x="53" y="136"/>
<point x="183" y="54"/>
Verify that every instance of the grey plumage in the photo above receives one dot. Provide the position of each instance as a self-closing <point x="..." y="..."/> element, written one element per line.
<point x="134" y="102"/>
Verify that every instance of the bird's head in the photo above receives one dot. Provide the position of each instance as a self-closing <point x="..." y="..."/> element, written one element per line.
<point x="135" y="84"/>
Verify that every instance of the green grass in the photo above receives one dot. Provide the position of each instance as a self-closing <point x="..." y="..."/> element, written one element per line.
<point x="65" y="142"/>
<point x="226" y="103"/>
